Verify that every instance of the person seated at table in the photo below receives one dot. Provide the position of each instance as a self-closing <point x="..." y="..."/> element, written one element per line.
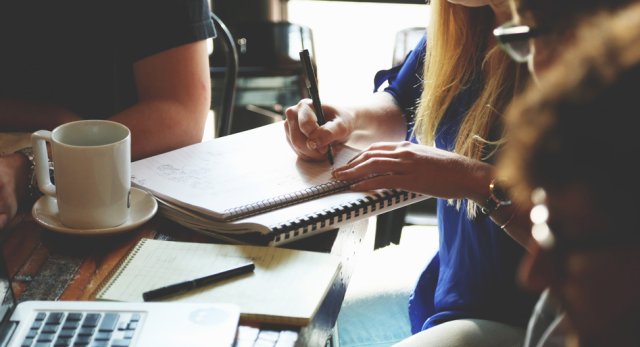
<point x="562" y="16"/>
<point x="142" y="63"/>
<point x="470" y="281"/>
<point x="571" y="149"/>
<point x="539" y="31"/>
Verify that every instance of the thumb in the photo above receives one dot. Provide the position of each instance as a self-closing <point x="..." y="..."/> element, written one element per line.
<point x="325" y="135"/>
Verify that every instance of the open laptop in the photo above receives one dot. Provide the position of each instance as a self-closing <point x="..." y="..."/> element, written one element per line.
<point x="114" y="324"/>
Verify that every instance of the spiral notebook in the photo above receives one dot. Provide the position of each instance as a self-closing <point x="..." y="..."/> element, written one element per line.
<point x="251" y="187"/>
<point x="286" y="287"/>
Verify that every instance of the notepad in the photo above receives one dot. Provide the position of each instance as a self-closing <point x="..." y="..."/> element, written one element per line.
<point x="251" y="187"/>
<point x="286" y="287"/>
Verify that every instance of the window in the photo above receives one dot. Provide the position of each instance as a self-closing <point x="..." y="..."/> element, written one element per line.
<point x="353" y="40"/>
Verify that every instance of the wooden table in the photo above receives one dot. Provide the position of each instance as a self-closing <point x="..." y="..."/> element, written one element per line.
<point x="50" y="266"/>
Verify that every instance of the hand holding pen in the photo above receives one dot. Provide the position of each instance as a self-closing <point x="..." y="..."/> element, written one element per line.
<point x="312" y="86"/>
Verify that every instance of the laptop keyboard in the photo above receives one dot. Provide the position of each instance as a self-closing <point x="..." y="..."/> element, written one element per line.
<point x="254" y="337"/>
<point x="110" y="329"/>
<point x="82" y="329"/>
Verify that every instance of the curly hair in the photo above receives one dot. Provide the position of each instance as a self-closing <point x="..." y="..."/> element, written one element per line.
<point x="580" y="125"/>
<point x="559" y="16"/>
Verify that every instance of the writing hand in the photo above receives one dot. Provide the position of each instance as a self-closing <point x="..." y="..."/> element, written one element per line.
<point x="307" y="138"/>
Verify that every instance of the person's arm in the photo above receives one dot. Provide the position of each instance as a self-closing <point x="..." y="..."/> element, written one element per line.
<point x="515" y="221"/>
<point x="174" y="90"/>
<point x="381" y="117"/>
<point x="434" y="172"/>
<point x="18" y="115"/>
<point x="377" y="118"/>
<point x="174" y="98"/>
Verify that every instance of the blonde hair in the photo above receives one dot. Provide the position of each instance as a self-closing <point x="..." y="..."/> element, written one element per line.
<point x="459" y="53"/>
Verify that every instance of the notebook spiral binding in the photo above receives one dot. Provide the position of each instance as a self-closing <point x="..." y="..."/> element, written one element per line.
<point x="334" y="215"/>
<point x="286" y="200"/>
<point x="115" y="272"/>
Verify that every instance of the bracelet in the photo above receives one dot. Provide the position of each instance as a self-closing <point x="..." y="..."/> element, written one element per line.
<point x="498" y="197"/>
<point x="33" y="193"/>
<point x="504" y="225"/>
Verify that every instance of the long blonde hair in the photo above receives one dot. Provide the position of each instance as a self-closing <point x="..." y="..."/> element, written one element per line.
<point x="459" y="51"/>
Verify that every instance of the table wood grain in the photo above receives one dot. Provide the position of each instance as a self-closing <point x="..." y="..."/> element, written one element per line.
<point x="45" y="265"/>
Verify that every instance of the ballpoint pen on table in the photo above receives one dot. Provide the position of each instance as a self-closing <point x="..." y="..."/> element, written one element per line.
<point x="181" y="287"/>
<point x="312" y="85"/>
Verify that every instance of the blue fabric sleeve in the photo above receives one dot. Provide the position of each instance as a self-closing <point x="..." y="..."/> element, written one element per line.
<point x="405" y="82"/>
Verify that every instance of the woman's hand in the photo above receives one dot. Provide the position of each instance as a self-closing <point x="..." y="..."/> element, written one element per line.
<point x="307" y="138"/>
<point x="417" y="168"/>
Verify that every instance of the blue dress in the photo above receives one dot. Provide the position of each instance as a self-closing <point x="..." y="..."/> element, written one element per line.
<point x="473" y="275"/>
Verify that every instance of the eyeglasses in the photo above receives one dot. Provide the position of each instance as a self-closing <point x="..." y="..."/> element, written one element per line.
<point x="514" y="40"/>
<point x="556" y="244"/>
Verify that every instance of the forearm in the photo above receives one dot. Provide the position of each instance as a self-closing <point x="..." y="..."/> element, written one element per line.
<point x="174" y="91"/>
<point x="17" y="115"/>
<point x="379" y="118"/>
<point x="161" y="125"/>
<point x="513" y="219"/>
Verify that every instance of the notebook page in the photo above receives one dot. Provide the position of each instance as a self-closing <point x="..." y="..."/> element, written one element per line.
<point x="287" y="286"/>
<point x="237" y="170"/>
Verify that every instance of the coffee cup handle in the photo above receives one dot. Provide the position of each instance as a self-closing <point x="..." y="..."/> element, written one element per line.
<point x="39" y="143"/>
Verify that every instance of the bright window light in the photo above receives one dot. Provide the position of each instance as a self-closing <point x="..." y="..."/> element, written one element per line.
<point x="353" y="40"/>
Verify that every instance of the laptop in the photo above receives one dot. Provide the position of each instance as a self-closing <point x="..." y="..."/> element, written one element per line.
<point x="114" y="324"/>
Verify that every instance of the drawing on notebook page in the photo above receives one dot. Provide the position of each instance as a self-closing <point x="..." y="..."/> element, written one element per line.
<point x="251" y="187"/>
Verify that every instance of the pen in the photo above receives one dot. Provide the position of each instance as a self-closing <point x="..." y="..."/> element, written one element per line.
<point x="181" y="287"/>
<point x="312" y="85"/>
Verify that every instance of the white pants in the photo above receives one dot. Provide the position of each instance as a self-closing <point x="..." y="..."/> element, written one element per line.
<point x="467" y="333"/>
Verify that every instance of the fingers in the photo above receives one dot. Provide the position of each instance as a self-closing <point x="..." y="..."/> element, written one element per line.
<point x="378" y="150"/>
<point x="376" y="182"/>
<point x="307" y="119"/>
<point x="382" y="165"/>
<point x="304" y="135"/>
<point x="301" y="154"/>
<point x="375" y="173"/>
<point x="294" y="130"/>
<point x="373" y="164"/>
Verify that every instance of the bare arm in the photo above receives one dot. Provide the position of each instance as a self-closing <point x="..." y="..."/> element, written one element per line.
<point x="17" y="115"/>
<point x="381" y="119"/>
<point x="174" y="90"/>
<point x="174" y="98"/>
<point x="434" y="172"/>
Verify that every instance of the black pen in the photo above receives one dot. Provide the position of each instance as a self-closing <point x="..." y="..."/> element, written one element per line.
<point x="312" y="85"/>
<point x="181" y="287"/>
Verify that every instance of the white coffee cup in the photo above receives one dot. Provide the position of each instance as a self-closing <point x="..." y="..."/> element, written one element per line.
<point x="92" y="172"/>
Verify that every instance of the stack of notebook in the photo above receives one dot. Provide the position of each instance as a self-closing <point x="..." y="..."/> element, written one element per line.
<point x="250" y="187"/>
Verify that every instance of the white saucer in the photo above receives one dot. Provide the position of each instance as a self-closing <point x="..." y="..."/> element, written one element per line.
<point x="143" y="207"/>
